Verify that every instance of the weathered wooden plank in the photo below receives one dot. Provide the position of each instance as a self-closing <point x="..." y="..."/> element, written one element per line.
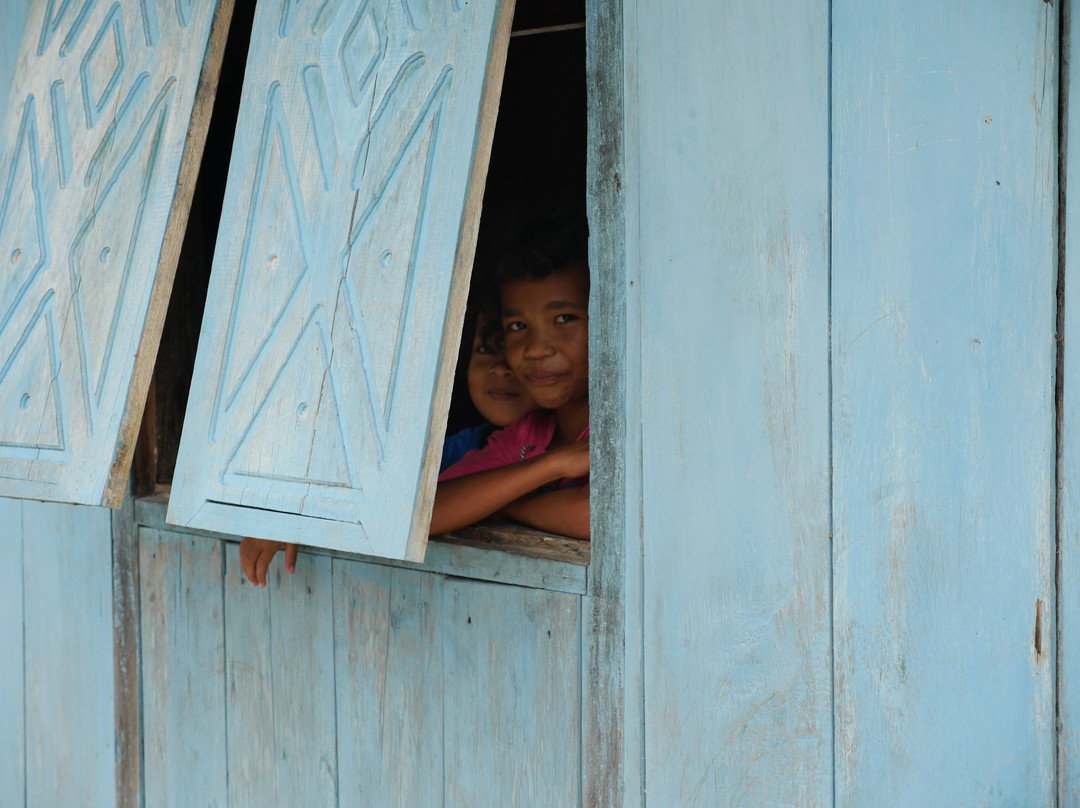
<point x="944" y="191"/>
<point x="612" y="684"/>
<point x="388" y="657"/>
<point x="67" y="579"/>
<point x="12" y="691"/>
<point x="339" y="281"/>
<point x="100" y="148"/>
<point x="502" y="559"/>
<point x="127" y="676"/>
<point x="280" y="685"/>
<point x="511" y="696"/>
<point x="183" y="669"/>
<point x="727" y="184"/>
<point x="1068" y="504"/>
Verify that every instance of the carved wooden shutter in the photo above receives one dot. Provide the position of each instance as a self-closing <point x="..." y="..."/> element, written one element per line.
<point x="332" y="322"/>
<point x="101" y="141"/>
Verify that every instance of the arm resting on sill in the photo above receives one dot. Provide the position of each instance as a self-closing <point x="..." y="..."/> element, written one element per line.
<point x="465" y="500"/>
<point x="565" y="511"/>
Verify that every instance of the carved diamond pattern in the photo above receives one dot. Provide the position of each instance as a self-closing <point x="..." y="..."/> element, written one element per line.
<point x="31" y="402"/>
<point x="24" y="246"/>
<point x="100" y="259"/>
<point x="384" y="259"/>
<point x="102" y="66"/>
<point x="274" y="255"/>
<point x="361" y="51"/>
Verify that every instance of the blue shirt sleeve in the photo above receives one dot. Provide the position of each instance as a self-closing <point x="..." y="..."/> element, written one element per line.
<point x="455" y="446"/>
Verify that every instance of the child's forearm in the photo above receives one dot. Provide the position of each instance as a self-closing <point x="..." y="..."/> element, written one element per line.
<point x="565" y="511"/>
<point x="464" y="500"/>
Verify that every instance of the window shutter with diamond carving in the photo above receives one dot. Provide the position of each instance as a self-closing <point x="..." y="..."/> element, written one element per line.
<point x="100" y="146"/>
<point x="343" y="256"/>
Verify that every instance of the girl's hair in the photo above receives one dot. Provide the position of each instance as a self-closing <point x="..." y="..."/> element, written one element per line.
<point x="544" y="244"/>
<point x="483" y="308"/>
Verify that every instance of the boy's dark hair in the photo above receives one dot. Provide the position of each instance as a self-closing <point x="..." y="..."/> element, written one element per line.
<point x="544" y="244"/>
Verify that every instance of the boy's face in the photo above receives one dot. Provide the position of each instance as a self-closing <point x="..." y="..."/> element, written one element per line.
<point x="496" y="392"/>
<point x="546" y="328"/>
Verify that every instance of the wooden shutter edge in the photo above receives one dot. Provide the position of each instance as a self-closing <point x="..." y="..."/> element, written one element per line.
<point x="459" y="283"/>
<point x="201" y="110"/>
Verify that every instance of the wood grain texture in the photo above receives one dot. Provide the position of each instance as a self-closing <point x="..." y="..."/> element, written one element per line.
<point x="551" y="562"/>
<point x="127" y="673"/>
<point x="12" y="689"/>
<point x="1068" y="583"/>
<point x="70" y="711"/>
<point x="388" y="634"/>
<point x="728" y="163"/>
<point x="280" y="686"/>
<point x="612" y="685"/>
<point x="183" y="670"/>
<point x="944" y="192"/>
<point x="362" y="137"/>
<point x="100" y="143"/>
<point x="512" y="733"/>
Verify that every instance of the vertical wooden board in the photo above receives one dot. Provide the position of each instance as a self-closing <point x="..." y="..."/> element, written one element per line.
<point x="1068" y="627"/>
<point x="727" y="167"/>
<point x="388" y="657"/>
<point x="12" y="691"/>
<point x="127" y="658"/>
<point x="944" y="191"/>
<point x="612" y="684"/>
<point x="511" y="668"/>
<point x="279" y="668"/>
<point x="340" y="273"/>
<point x="183" y="669"/>
<point x="98" y="152"/>
<point x="70" y="732"/>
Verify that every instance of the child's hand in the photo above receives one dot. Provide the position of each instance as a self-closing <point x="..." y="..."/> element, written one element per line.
<point x="256" y="555"/>
<point x="572" y="459"/>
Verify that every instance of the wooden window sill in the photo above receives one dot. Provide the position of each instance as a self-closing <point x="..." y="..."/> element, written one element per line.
<point x="497" y="551"/>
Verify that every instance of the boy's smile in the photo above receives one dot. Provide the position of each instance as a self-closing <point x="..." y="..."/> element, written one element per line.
<point x="546" y="327"/>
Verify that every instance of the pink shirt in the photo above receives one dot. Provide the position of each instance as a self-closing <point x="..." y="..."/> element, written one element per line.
<point x="527" y="437"/>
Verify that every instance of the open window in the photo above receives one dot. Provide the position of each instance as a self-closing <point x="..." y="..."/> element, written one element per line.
<point x="351" y="213"/>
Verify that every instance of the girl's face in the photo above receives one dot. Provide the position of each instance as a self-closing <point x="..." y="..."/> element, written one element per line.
<point x="496" y="392"/>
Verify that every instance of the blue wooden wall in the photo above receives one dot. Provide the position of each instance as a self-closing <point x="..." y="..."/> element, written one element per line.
<point x="943" y="307"/>
<point x="728" y="170"/>
<point x="840" y="313"/>
<point x="57" y="719"/>
<point x="841" y="219"/>
<point x="351" y="684"/>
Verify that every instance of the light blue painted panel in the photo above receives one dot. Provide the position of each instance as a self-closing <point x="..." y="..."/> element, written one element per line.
<point x="183" y="670"/>
<point x="12" y="735"/>
<point x="727" y="176"/>
<point x="390" y="677"/>
<point x="13" y="13"/>
<point x="340" y="275"/>
<point x="944" y="166"/>
<point x="512" y="663"/>
<point x="280" y="685"/>
<point x="70" y="729"/>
